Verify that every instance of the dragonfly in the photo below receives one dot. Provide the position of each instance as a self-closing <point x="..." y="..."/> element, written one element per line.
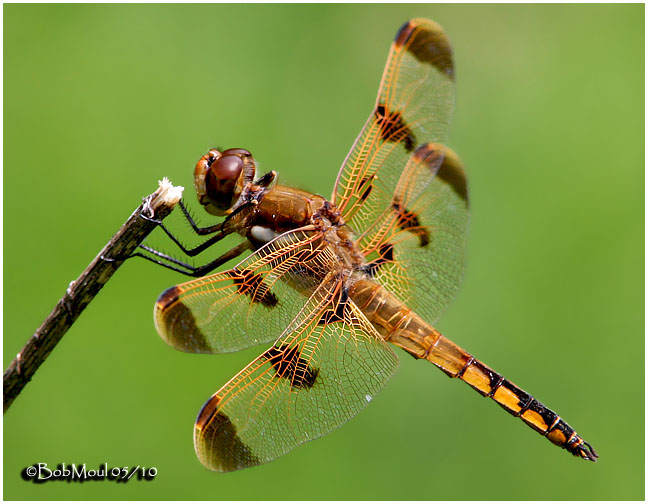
<point x="329" y="284"/>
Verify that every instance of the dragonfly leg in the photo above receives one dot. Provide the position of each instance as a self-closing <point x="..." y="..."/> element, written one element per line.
<point x="176" y="266"/>
<point x="198" y="230"/>
<point x="196" y="250"/>
<point x="232" y="223"/>
<point x="188" y="269"/>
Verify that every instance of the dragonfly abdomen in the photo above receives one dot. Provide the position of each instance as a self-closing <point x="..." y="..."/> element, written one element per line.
<point x="401" y="326"/>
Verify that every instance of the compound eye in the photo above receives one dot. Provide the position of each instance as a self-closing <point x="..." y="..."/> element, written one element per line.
<point x="237" y="151"/>
<point x="222" y="180"/>
<point x="227" y="168"/>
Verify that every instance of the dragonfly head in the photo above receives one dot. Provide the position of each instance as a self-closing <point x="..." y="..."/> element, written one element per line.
<point x="220" y="177"/>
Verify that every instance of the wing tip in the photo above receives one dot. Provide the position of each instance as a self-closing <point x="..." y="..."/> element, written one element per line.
<point x="167" y="298"/>
<point x="176" y="324"/>
<point x="428" y="43"/>
<point x="447" y="164"/>
<point x="216" y="440"/>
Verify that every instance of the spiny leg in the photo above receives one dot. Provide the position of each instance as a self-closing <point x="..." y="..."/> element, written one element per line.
<point x="194" y="271"/>
<point x="231" y="224"/>
<point x="198" y="230"/>
<point x="201" y="231"/>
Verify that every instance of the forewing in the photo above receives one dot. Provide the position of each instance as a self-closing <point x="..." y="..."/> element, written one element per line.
<point x="415" y="248"/>
<point x="251" y="303"/>
<point x="316" y="377"/>
<point x="413" y="107"/>
<point x="402" y="192"/>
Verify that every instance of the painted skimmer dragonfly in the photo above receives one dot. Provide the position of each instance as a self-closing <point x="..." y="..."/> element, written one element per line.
<point x="329" y="283"/>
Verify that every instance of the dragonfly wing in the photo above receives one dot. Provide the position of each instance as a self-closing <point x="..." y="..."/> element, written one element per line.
<point x="413" y="107"/>
<point x="400" y="189"/>
<point x="319" y="374"/>
<point x="416" y="248"/>
<point x="249" y="304"/>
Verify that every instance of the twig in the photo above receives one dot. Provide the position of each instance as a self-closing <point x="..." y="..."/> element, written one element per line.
<point x="82" y="290"/>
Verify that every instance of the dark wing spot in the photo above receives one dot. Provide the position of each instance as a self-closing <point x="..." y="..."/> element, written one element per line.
<point x="452" y="173"/>
<point x="386" y="255"/>
<point x="428" y="45"/>
<point x="336" y="314"/>
<point x="177" y="325"/>
<point x="410" y="221"/>
<point x="447" y="165"/>
<point x="217" y="442"/>
<point x="250" y="284"/>
<point x="431" y="155"/>
<point x="288" y="364"/>
<point x="168" y="297"/>
<point x="366" y="185"/>
<point x="393" y="128"/>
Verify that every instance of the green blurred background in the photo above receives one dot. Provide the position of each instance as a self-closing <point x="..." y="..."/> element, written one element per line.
<point x="102" y="101"/>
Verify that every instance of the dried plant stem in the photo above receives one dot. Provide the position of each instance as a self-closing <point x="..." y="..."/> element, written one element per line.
<point x="82" y="290"/>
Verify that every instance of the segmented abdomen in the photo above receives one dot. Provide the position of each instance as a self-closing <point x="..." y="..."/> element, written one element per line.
<point x="402" y="327"/>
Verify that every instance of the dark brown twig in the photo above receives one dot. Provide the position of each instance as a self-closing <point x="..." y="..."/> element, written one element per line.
<point x="81" y="291"/>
